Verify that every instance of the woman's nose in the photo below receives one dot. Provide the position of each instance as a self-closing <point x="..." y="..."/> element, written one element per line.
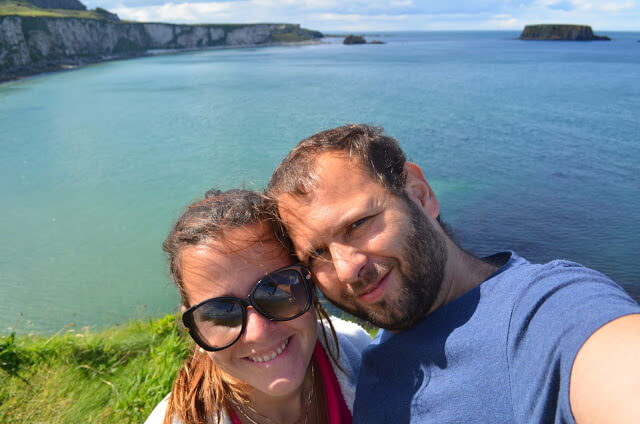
<point x="258" y="326"/>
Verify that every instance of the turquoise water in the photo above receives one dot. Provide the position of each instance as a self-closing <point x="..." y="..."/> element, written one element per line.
<point x="531" y="146"/>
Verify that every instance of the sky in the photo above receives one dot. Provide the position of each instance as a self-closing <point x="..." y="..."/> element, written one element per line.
<point x="386" y="15"/>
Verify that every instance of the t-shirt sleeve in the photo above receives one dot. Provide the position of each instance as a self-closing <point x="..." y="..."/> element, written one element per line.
<point x="563" y="304"/>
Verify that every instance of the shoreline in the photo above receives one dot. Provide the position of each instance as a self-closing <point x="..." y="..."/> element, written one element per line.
<point x="64" y="67"/>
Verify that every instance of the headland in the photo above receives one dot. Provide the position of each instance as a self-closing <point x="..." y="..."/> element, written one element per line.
<point x="47" y="35"/>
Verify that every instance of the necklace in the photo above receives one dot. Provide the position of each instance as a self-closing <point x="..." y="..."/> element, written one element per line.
<point x="304" y="415"/>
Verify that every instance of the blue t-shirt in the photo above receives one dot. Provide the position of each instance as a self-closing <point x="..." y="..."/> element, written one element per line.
<point x="501" y="353"/>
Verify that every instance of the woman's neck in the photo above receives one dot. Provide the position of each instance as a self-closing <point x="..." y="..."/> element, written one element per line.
<point x="287" y="409"/>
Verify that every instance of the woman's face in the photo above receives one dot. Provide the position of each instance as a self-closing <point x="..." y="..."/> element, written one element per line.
<point x="212" y="271"/>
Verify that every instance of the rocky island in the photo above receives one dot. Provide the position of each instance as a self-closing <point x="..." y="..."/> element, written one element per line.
<point x="46" y="35"/>
<point x="354" y="39"/>
<point x="359" y="39"/>
<point x="560" y="32"/>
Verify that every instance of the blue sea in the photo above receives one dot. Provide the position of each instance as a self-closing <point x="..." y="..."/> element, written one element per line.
<point x="529" y="146"/>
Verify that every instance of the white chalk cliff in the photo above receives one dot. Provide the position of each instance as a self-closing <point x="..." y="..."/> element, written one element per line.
<point x="34" y="44"/>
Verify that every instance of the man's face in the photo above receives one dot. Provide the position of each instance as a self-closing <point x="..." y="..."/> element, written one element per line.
<point x="374" y="254"/>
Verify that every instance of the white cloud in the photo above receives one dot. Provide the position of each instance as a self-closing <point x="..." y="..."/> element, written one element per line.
<point x="298" y="4"/>
<point x="403" y="3"/>
<point x="504" y="22"/>
<point x="583" y="4"/>
<point x="389" y="15"/>
<point x="359" y="18"/>
<point x="177" y="12"/>
<point x="617" y="7"/>
<point x="588" y="5"/>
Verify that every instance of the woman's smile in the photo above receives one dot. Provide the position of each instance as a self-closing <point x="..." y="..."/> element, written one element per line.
<point x="265" y="358"/>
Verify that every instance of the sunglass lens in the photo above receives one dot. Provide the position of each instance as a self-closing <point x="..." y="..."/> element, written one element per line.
<point x="282" y="295"/>
<point x="218" y="321"/>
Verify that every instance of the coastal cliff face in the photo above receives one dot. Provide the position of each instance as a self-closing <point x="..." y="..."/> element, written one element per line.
<point x="560" y="32"/>
<point x="31" y="44"/>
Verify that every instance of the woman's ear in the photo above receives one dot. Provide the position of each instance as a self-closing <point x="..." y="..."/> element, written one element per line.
<point x="419" y="191"/>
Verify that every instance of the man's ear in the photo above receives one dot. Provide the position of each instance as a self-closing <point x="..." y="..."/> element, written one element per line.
<point x="183" y="308"/>
<point x="420" y="191"/>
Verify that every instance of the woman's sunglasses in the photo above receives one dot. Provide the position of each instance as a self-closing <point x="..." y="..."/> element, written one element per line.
<point x="282" y="295"/>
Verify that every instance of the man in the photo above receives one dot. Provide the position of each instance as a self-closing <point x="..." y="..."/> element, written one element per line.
<point x="491" y="340"/>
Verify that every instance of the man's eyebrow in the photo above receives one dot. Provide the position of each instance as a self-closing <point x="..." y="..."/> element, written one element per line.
<point x="341" y="225"/>
<point x="346" y="219"/>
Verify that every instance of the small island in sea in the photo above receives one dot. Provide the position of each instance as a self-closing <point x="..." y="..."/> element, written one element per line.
<point x="354" y="39"/>
<point x="48" y="35"/>
<point x="359" y="39"/>
<point x="560" y="32"/>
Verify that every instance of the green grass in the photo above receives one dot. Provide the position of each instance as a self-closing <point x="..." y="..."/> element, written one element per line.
<point x="288" y="38"/>
<point x="22" y="8"/>
<point x="116" y="375"/>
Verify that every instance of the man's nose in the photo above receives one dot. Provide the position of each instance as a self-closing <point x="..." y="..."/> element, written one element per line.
<point x="347" y="261"/>
<point x="258" y="326"/>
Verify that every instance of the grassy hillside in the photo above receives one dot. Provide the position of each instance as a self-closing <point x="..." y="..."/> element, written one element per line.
<point x="22" y="8"/>
<point x="116" y="375"/>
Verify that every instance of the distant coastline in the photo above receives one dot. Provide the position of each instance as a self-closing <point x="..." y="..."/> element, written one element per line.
<point x="38" y="40"/>
<point x="78" y="63"/>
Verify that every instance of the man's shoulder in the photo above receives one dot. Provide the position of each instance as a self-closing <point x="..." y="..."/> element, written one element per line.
<point x="559" y="305"/>
<point x="560" y="275"/>
<point x="520" y="274"/>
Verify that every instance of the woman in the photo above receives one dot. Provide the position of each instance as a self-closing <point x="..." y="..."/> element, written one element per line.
<point x="253" y="313"/>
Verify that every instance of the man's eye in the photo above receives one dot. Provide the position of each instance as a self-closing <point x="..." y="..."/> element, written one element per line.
<point x="358" y="223"/>
<point x="318" y="253"/>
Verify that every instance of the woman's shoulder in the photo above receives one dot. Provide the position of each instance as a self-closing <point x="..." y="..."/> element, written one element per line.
<point x="352" y="340"/>
<point x="349" y="331"/>
<point x="157" y="415"/>
<point x="351" y="337"/>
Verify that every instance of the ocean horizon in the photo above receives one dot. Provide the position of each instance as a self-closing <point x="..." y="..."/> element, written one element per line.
<point x="530" y="146"/>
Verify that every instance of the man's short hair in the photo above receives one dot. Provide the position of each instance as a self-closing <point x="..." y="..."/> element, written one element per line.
<point x="378" y="154"/>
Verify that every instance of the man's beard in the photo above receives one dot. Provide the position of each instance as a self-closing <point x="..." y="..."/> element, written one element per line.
<point x="421" y="266"/>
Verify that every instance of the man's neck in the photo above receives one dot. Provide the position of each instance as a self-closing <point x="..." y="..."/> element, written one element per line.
<point x="464" y="272"/>
<point x="498" y="260"/>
